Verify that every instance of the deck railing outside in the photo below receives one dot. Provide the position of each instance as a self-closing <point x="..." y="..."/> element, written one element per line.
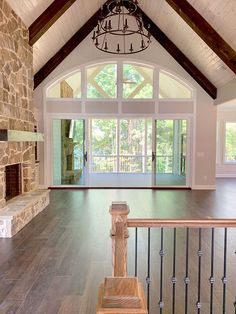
<point x="130" y="164"/>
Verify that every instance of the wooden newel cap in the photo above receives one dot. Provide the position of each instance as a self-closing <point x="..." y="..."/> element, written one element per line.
<point x="119" y="208"/>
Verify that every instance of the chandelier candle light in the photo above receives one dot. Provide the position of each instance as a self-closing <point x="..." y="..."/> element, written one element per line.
<point x="121" y="29"/>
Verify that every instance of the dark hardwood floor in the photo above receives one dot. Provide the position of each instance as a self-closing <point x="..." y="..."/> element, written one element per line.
<point x="55" y="264"/>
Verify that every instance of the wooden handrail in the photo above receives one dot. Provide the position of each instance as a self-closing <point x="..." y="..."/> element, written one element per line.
<point x="182" y="223"/>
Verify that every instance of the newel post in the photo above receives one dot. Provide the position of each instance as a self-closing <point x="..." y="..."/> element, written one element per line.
<point x="119" y="234"/>
<point x="119" y="293"/>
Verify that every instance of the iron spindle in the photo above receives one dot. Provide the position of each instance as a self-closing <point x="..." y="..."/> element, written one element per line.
<point x="161" y="303"/>
<point x="224" y="278"/>
<point x="174" y="279"/>
<point x="212" y="279"/>
<point x="186" y="279"/>
<point x="148" y="280"/>
<point x="136" y="253"/>
<point x="199" y="253"/>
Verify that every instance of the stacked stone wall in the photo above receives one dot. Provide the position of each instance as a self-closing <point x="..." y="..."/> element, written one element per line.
<point x="16" y="96"/>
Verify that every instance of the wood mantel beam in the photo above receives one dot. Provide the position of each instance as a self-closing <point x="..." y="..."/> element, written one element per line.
<point x="178" y="55"/>
<point x="206" y="32"/>
<point x="47" y="19"/>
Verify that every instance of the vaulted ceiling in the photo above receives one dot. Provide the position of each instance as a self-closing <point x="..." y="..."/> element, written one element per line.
<point x="221" y="15"/>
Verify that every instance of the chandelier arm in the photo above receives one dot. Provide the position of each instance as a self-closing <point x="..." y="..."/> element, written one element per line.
<point x="122" y="12"/>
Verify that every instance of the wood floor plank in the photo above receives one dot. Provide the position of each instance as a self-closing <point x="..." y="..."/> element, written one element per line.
<point x="56" y="263"/>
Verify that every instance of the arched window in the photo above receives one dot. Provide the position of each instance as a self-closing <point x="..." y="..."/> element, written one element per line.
<point x="68" y="87"/>
<point x="137" y="81"/>
<point x="102" y="81"/>
<point x="171" y="87"/>
<point x="122" y="79"/>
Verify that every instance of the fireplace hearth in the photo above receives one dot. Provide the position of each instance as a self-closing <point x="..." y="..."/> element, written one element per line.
<point x="13" y="181"/>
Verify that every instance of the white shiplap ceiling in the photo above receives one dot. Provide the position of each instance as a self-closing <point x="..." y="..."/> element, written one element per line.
<point x="220" y="14"/>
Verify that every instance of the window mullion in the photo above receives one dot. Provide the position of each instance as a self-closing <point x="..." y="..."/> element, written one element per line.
<point x="118" y="146"/>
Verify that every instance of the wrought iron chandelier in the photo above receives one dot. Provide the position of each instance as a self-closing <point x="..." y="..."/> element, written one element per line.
<point x="120" y="29"/>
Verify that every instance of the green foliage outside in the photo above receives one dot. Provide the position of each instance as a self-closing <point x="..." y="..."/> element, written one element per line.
<point x="106" y="80"/>
<point x="164" y="146"/>
<point x="230" y="143"/>
<point x="132" y="79"/>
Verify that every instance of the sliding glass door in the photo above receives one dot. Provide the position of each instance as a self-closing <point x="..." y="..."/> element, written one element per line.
<point x="69" y="156"/>
<point x="170" y="152"/>
<point x="121" y="152"/>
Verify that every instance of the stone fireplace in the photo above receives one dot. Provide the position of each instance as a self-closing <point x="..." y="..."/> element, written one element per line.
<point x="13" y="181"/>
<point x="17" y="116"/>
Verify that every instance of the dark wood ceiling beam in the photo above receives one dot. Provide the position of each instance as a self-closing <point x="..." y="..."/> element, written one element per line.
<point x="178" y="55"/>
<point x="85" y="30"/>
<point x="72" y="43"/>
<point x="47" y="19"/>
<point x="205" y="31"/>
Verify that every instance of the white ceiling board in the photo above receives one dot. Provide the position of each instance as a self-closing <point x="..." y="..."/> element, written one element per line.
<point x="29" y="10"/>
<point x="221" y="15"/>
<point x="188" y="41"/>
<point x="61" y="31"/>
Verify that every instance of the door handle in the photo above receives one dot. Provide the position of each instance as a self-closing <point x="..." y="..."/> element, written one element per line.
<point x="153" y="156"/>
<point x="86" y="156"/>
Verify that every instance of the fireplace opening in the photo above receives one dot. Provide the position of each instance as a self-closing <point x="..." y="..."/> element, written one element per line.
<point x="13" y="181"/>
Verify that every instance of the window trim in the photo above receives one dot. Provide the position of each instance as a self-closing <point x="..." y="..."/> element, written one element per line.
<point x="119" y="95"/>
<point x="225" y="162"/>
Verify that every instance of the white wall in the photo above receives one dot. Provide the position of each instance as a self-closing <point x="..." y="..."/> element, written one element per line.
<point x="205" y="132"/>
<point x="226" y="93"/>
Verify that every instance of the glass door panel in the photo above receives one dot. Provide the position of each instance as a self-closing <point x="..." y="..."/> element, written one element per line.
<point x="170" y="152"/>
<point x="69" y="155"/>
<point x="103" y="146"/>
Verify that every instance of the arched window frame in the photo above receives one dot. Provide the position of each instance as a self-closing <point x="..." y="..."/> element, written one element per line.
<point x="156" y="82"/>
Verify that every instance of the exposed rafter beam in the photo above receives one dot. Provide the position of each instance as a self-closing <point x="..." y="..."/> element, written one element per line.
<point x="72" y="43"/>
<point x="178" y="55"/>
<point x="47" y="19"/>
<point x="205" y="31"/>
<point x="82" y="33"/>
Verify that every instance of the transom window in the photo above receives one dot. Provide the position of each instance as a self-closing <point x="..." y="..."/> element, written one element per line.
<point x="102" y="81"/>
<point x="170" y="87"/>
<point x="126" y="80"/>
<point x="69" y="87"/>
<point x="137" y="81"/>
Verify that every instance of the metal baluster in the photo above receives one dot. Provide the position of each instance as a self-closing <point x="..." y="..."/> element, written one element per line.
<point x="199" y="253"/>
<point x="148" y="279"/>
<point x="162" y="253"/>
<point x="186" y="279"/>
<point x="136" y="253"/>
<point x="212" y="279"/>
<point x="224" y="278"/>
<point x="174" y="279"/>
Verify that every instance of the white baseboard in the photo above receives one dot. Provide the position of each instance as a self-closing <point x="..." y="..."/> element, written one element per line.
<point x="226" y="175"/>
<point x="204" y="187"/>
